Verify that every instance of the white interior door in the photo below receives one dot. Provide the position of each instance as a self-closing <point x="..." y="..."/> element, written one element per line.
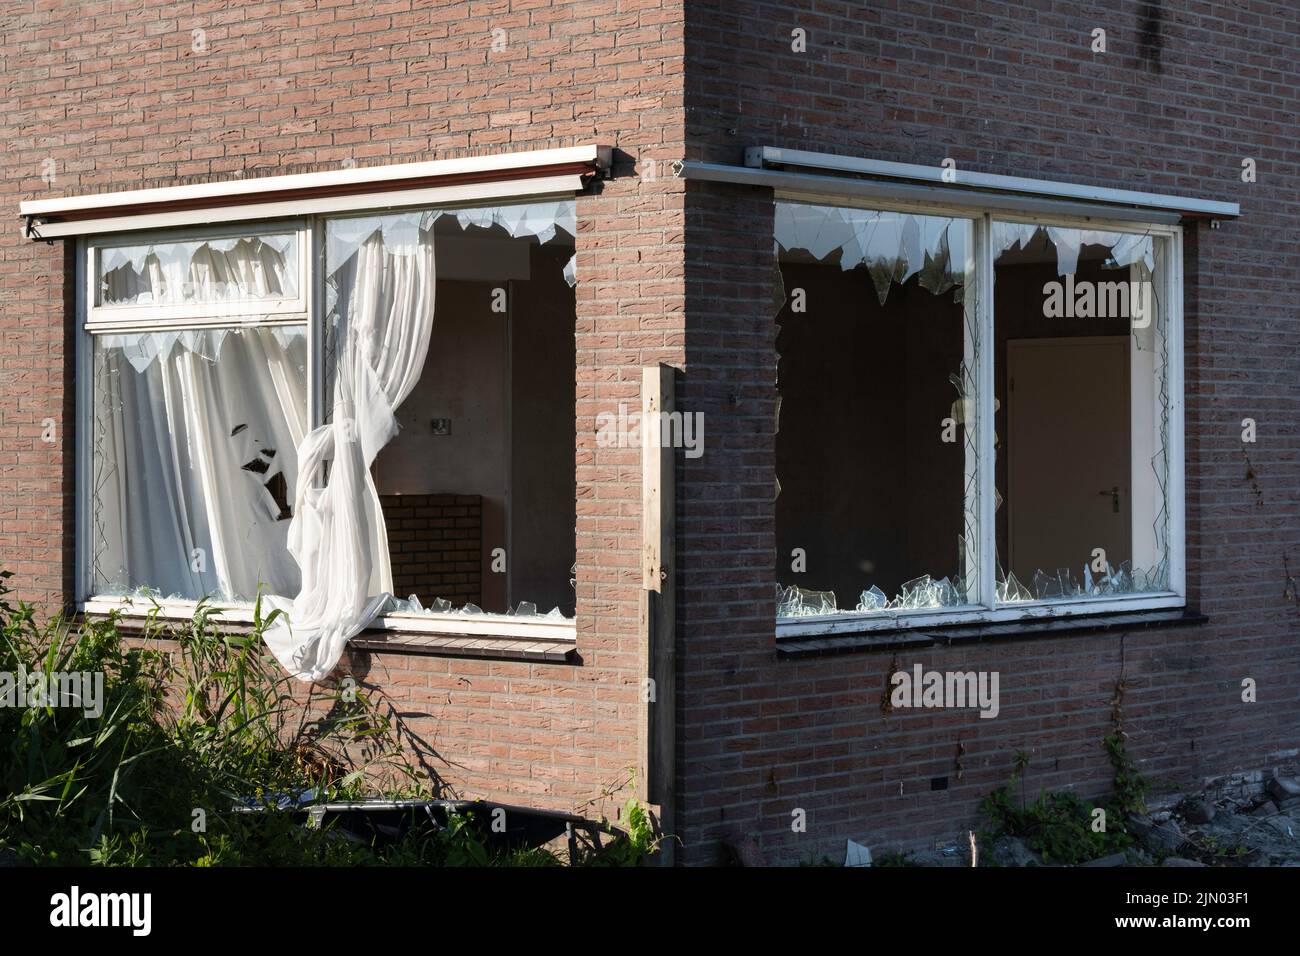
<point x="1069" y="473"/>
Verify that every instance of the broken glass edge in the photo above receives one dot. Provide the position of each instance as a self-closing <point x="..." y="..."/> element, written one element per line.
<point x="399" y="231"/>
<point x="1154" y="249"/>
<point x="394" y="607"/>
<point x="892" y="246"/>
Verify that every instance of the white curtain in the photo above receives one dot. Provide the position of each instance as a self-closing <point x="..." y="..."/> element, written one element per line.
<point x="190" y="428"/>
<point x="382" y="319"/>
<point x="237" y="268"/>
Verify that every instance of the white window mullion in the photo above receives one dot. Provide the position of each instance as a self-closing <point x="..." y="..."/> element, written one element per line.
<point x="986" y="481"/>
<point x="1172" y="291"/>
<point x="314" y="247"/>
<point x="84" y="437"/>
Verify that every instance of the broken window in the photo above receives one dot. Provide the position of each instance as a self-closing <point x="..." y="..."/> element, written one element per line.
<point x="410" y="457"/>
<point x="1081" y="345"/>
<point x="198" y="378"/>
<point x="946" y="451"/>
<point x="477" y="489"/>
<point x="876" y="466"/>
<point x="194" y="435"/>
<point x="252" y="269"/>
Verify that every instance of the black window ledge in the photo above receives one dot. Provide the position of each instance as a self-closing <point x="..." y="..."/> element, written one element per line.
<point x="894" y="639"/>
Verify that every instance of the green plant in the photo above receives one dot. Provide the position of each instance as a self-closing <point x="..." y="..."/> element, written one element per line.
<point x="1059" y="826"/>
<point x="201" y="753"/>
<point x="631" y="847"/>
<point x="1131" y="788"/>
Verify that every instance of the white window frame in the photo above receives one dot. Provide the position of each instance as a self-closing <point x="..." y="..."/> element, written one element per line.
<point x="307" y="309"/>
<point x="987" y="610"/>
<point x="289" y="310"/>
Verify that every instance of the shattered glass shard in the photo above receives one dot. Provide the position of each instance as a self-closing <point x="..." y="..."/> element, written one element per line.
<point x="882" y="277"/>
<point x="778" y="287"/>
<point x="1048" y="586"/>
<point x="801" y="602"/>
<point x="925" y="592"/>
<point x="872" y="599"/>
<point x="1010" y="590"/>
<point x="893" y="246"/>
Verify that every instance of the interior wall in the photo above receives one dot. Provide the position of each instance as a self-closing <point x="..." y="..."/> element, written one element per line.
<point x="506" y="382"/>
<point x="869" y="490"/>
<point x="464" y="379"/>
<point x="543" y="504"/>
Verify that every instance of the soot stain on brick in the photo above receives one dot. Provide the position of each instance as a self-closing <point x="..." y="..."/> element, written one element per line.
<point x="886" y="698"/>
<point x="1149" y="40"/>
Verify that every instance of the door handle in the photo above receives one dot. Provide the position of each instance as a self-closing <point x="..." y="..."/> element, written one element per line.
<point x="1114" y="497"/>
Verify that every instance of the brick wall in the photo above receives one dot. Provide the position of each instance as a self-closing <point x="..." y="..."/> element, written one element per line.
<point x="117" y="97"/>
<point x="435" y="546"/>
<point x="1013" y="88"/>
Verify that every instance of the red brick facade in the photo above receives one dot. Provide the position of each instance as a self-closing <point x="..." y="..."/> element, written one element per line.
<point x="435" y="546"/>
<point x="120" y="99"/>
<point x="1008" y="88"/>
<point x="110" y="99"/>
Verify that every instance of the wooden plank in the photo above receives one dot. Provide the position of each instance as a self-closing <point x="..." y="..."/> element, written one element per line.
<point x="658" y="608"/>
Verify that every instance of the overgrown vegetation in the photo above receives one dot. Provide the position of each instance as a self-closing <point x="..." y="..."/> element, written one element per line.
<point x="185" y="735"/>
<point x="1059" y="825"/>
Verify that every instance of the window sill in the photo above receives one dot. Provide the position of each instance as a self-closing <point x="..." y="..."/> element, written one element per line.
<point x="798" y="646"/>
<point x="488" y="636"/>
<point x="502" y="647"/>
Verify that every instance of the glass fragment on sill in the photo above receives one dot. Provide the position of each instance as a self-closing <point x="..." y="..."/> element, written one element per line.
<point x="1011" y="591"/>
<point x="795" y="601"/>
<point x="922" y="593"/>
<point x="441" y="606"/>
<point x="872" y="599"/>
<point x="1055" y="585"/>
<point x="925" y="592"/>
<point x="1063" y="584"/>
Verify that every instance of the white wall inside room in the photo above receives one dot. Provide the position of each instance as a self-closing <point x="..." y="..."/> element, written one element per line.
<point x="464" y="380"/>
<point x="506" y="381"/>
